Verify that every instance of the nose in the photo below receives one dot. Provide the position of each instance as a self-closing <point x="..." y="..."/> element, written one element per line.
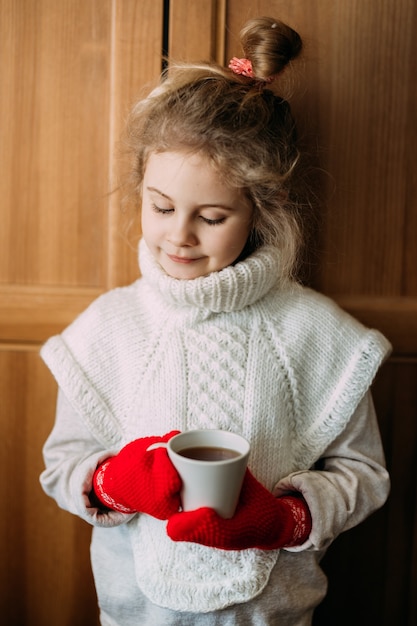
<point x="182" y="232"/>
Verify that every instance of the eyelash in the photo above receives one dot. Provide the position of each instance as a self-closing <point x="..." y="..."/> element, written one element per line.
<point x="157" y="209"/>
<point x="206" y="220"/>
<point x="220" y="220"/>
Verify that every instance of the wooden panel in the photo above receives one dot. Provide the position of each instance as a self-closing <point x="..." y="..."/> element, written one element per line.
<point x="45" y="574"/>
<point x="357" y="99"/>
<point x="197" y="30"/>
<point x="370" y="154"/>
<point x="32" y="314"/>
<point x="396" y="318"/>
<point x="54" y="109"/>
<point x="137" y="62"/>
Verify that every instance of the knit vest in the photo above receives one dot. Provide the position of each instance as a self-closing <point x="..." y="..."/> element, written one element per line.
<point x="236" y="350"/>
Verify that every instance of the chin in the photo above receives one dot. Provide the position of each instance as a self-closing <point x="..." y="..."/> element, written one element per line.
<point x="184" y="275"/>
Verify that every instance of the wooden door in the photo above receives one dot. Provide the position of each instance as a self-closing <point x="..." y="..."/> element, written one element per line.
<point x="70" y="70"/>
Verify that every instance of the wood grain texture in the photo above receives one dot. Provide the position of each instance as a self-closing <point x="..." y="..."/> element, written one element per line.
<point x="194" y="33"/>
<point x="54" y="107"/>
<point x="45" y="574"/>
<point x="356" y="101"/>
<point x="31" y="314"/>
<point x="136" y="66"/>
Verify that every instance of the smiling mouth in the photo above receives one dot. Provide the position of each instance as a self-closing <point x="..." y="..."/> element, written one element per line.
<point x="181" y="259"/>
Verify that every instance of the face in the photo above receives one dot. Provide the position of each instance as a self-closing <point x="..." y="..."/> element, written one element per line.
<point x="192" y="222"/>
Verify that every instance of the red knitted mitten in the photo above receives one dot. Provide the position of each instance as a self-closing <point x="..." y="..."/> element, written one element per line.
<point x="261" y="521"/>
<point x="138" y="480"/>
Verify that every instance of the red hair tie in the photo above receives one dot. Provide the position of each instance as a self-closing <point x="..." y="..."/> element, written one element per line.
<point x="241" y="66"/>
<point x="244" y="68"/>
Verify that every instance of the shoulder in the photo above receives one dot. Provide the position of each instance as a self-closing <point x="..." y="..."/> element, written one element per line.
<point x="304" y="318"/>
<point x="105" y="324"/>
<point x="119" y="299"/>
<point x="295" y="304"/>
<point x="97" y="337"/>
<point x="112" y="307"/>
<point x="299" y="304"/>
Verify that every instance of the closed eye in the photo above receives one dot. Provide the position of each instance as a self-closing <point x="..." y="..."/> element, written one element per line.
<point x="210" y="222"/>
<point x="158" y="209"/>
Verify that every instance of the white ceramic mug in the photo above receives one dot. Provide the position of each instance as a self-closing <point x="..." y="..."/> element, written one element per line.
<point x="212" y="483"/>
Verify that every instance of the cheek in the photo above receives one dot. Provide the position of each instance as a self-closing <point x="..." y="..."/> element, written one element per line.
<point x="240" y="232"/>
<point x="232" y="242"/>
<point x="148" y="223"/>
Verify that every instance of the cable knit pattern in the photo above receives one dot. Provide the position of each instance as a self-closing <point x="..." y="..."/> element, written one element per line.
<point x="281" y="365"/>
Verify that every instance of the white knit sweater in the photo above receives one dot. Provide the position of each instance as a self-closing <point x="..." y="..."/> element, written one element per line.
<point x="283" y="366"/>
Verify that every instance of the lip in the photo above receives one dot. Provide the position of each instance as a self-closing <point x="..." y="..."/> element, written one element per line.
<point x="181" y="259"/>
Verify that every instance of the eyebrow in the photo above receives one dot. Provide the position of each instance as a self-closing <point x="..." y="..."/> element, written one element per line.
<point x="160" y="193"/>
<point x="200" y="206"/>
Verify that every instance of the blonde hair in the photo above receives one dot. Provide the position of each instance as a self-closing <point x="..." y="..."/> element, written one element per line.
<point x="239" y="123"/>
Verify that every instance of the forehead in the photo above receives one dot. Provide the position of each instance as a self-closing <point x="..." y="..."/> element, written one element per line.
<point x="186" y="173"/>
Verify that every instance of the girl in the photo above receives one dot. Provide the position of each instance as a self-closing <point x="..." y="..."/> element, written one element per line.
<point x="216" y="334"/>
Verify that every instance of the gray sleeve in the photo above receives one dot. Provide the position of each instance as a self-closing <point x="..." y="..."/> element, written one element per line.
<point x="350" y="484"/>
<point x="71" y="455"/>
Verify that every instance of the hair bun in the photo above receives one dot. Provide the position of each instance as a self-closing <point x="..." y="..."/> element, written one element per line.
<point x="270" y="45"/>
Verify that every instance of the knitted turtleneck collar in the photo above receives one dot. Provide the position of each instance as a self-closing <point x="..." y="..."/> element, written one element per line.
<point x="230" y="289"/>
